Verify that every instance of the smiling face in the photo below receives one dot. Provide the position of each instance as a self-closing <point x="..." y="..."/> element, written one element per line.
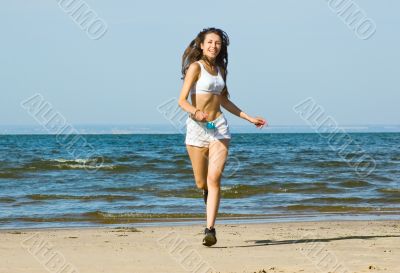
<point x="211" y="45"/>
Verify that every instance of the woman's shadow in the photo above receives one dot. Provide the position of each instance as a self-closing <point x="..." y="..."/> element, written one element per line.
<point x="300" y="241"/>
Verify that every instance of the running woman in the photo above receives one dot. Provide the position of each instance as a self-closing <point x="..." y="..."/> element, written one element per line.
<point x="204" y="71"/>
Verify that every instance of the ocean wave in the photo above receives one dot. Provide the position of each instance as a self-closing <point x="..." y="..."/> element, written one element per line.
<point x="330" y="164"/>
<point x="6" y="199"/>
<point x="109" y="165"/>
<point x="380" y="178"/>
<point x="10" y="175"/>
<point x="354" y="183"/>
<point x="87" y="198"/>
<point x="135" y="188"/>
<point x="352" y="200"/>
<point x="338" y="208"/>
<point x="101" y="217"/>
<point x="62" y="164"/>
<point x="395" y="191"/>
<point x="245" y="190"/>
<point x="129" y="158"/>
<point x="66" y="164"/>
<point x="395" y="158"/>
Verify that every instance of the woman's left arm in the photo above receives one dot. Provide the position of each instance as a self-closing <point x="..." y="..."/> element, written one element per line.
<point x="231" y="107"/>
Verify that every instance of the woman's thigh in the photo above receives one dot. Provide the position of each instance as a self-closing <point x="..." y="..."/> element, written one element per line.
<point x="218" y="154"/>
<point x="199" y="158"/>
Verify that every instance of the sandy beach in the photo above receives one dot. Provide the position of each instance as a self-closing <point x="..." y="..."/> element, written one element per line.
<point x="337" y="246"/>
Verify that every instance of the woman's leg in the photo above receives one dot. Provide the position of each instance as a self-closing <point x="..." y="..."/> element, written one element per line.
<point x="218" y="154"/>
<point x="199" y="158"/>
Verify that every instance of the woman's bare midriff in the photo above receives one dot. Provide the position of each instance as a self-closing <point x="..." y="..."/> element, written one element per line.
<point x="208" y="103"/>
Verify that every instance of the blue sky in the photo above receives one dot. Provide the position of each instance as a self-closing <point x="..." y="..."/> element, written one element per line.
<point x="281" y="52"/>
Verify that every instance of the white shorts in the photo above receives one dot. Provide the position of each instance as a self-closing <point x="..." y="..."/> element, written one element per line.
<point x="197" y="134"/>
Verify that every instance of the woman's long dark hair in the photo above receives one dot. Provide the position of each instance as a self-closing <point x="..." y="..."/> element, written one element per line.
<point x="194" y="52"/>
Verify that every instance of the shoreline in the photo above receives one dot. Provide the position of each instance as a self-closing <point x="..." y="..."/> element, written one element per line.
<point x="322" y="246"/>
<point x="257" y="219"/>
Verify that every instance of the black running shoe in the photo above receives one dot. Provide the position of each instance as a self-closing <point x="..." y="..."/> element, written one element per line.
<point x="210" y="237"/>
<point x="205" y="196"/>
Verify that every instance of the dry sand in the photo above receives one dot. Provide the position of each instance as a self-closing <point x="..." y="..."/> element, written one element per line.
<point x="337" y="246"/>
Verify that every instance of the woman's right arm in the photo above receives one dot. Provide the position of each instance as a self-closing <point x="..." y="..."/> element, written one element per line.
<point x="191" y="76"/>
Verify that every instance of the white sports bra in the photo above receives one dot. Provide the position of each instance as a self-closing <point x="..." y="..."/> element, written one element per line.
<point x="208" y="83"/>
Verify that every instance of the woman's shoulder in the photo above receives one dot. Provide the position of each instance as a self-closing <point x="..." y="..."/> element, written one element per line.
<point x="195" y="67"/>
<point x="193" y="71"/>
<point x="196" y="63"/>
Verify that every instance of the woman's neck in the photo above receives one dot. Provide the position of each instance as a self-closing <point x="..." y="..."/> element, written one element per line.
<point x="210" y="63"/>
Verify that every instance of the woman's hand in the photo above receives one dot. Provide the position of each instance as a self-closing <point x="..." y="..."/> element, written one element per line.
<point x="259" y="122"/>
<point x="200" y="116"/>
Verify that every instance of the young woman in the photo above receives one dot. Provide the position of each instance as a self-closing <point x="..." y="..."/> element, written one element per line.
<point x="204" y="71"/>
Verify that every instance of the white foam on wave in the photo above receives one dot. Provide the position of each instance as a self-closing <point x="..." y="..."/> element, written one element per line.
<point x="82" y="163"/>
<point x="102" y="166"/>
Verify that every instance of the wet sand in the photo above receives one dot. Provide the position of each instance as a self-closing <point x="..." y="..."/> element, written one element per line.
<point x="335" y="246"/>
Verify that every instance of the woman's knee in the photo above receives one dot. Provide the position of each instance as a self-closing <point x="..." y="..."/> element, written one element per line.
<point x="201" y="183"/>
<point x="214" y="180"/>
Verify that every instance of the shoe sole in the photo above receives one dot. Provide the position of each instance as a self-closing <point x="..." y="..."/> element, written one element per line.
<point x="209" y="240"/>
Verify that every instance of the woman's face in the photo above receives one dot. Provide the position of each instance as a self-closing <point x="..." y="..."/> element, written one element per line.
<point x="211" y="46"/>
